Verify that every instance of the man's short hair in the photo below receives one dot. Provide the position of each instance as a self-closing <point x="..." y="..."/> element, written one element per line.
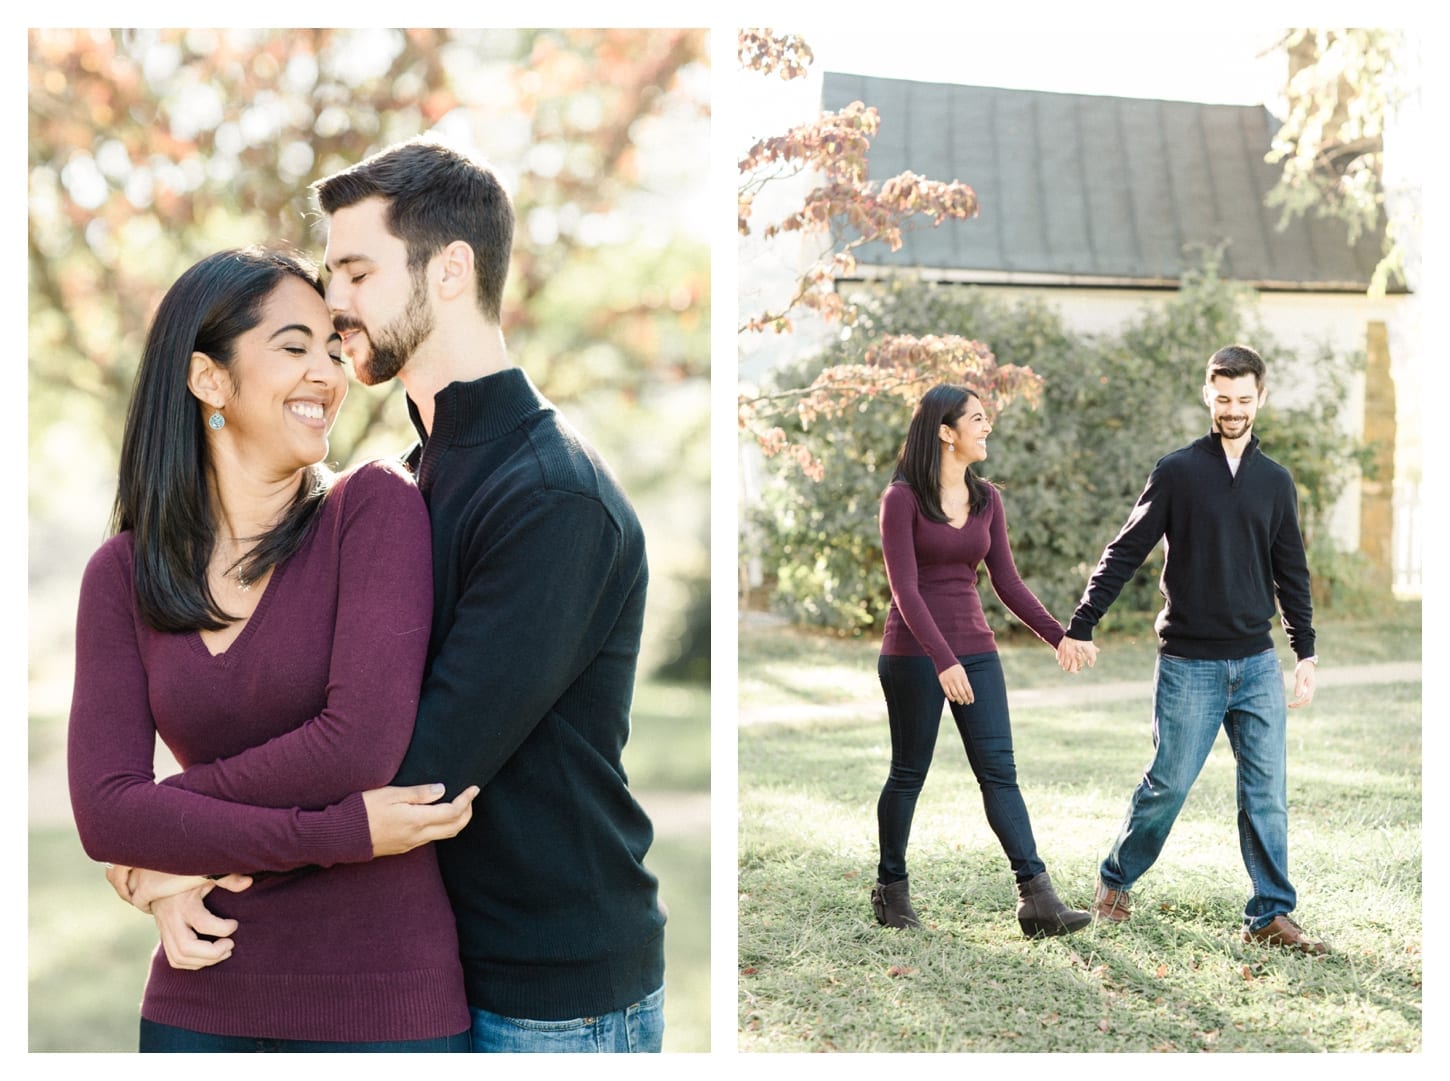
<point x="435" y="196"/>
<point x="1233" y="361"/>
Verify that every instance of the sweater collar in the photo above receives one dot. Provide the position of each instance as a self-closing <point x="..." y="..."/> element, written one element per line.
<point x="1214" y="442"/>
<point x="482" y="409"/>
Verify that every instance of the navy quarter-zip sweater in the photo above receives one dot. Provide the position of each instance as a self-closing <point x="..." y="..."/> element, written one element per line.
<point x="539" y="586"/>
<point x="1233" y="548"/>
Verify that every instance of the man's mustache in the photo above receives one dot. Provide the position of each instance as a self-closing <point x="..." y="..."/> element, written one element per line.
<point x="344" y="322"/>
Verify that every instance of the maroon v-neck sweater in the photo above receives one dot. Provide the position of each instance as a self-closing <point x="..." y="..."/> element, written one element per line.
<point x="312" y="704"/>
<point x="932" y="567"/>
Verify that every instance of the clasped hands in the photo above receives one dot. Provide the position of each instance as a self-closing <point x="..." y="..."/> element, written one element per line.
<point x="1072" y="654"/>
<point x="399" y="820"/>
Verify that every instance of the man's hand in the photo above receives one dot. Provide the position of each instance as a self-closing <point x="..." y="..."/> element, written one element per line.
<point x="142" y="888"/>
<point x="1303" y="684"/>
<point x="956" y="685"/>
<point x="182" y="918"/>
<point x="1072" y="654"/>
<point x="401" y="819"/>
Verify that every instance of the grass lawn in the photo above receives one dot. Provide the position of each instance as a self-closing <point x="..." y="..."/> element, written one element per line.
<point x="816" y="973"/>
<point x="89" y="953"/>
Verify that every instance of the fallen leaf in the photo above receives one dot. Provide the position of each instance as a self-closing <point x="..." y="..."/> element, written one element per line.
<point x="748" y="971"/>
<point x="901" y="970"/>
<point x="1248" y="973"/>
<point x="1162" y="971"/>
<point x="1103" y="1025"/>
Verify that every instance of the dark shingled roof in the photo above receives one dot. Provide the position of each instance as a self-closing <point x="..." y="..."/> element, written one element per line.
<point x="1095" y="190"/>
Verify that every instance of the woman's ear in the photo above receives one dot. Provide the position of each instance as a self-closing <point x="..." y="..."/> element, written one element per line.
<point x="208" y="381"/>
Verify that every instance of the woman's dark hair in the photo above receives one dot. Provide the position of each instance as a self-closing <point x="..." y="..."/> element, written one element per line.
<point x="163" y="492"/>
<point x="919" y="463"/>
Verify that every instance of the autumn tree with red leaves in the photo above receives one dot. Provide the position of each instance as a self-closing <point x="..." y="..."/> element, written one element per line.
<point x="843" y="211"/>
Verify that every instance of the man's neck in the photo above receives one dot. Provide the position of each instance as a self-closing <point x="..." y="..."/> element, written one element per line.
<point x="462" y="356"/>
<point x="1234" y="448"/>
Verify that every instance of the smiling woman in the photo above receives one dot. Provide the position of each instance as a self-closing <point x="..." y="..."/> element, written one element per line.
<point x="939" y="523"/>
<point x="211" y="618"/>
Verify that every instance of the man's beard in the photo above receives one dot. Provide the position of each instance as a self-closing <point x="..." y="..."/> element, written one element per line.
<point x="1241" y="426"/>
<point x="396" y="343"/>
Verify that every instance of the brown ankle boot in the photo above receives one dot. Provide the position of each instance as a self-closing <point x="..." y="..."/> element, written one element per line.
<point x="1041" y="913"/>
<point x="892" y="905"/>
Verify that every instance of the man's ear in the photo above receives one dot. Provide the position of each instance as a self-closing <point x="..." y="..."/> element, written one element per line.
<point x="208" y="381"/>
<point x="456" y="270"/>
<point x="1208" y="395"/>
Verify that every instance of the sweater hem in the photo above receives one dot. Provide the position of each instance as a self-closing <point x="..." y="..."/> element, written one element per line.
<point x="419" y="1005"/>
<point x="567" y="990"/>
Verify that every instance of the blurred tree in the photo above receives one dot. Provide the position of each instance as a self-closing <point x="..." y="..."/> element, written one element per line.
<point x="843" y="211"/>
<point x="1343" y="86"/>
<point x="150" y="148"/>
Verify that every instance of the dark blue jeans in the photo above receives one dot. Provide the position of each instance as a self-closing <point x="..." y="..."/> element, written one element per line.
<point x="155" y="1037"/>
<point x="914" y="701"/>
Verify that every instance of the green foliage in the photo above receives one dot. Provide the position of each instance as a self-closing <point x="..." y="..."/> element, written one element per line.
<point x="1069" y="471"/>
<point x="822" y="538"/>
<point x="1309" y="440"/>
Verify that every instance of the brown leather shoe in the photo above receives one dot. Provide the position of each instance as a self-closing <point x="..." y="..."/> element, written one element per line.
<point x="1282" y="931"/>
<point x="1110" y="904"/>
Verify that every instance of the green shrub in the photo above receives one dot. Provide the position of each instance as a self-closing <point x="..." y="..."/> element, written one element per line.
<point x="1069" y="470"/>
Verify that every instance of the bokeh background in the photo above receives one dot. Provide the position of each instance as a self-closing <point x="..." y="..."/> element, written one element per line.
<point x="151" y="148"/>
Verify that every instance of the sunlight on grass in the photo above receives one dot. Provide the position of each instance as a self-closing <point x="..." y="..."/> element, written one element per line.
<point x="818" y="974"/>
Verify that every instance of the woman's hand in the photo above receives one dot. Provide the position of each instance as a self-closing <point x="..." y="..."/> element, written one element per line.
<point x="142" y="888"/>
<point x="1072" y="654"/>
<point x="401" y="819"/>
<point x="956" y="685"/>
<point x="182" y="919"/>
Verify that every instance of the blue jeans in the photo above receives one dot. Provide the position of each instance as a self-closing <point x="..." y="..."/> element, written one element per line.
<point x="1192" y="699"/>
<point x="161" y="1038"/>
<point x="638" y="1028"/>
<point x="914" y="701"/>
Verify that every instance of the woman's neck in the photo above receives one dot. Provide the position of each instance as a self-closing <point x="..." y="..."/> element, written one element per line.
<point x="244" y="506"/>
<point x="953" y="476"/>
